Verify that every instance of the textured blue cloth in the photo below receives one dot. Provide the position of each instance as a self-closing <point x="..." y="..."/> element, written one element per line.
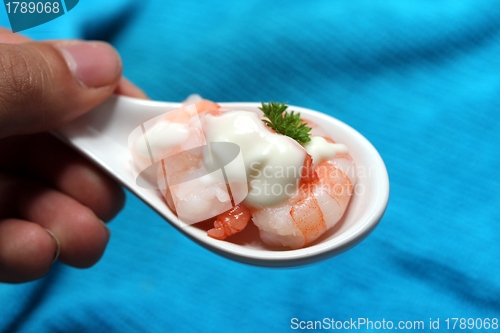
<point x="420" y="79"/>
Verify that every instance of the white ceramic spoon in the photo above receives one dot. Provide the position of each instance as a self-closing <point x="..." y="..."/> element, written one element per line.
<point x="102" y="136"/>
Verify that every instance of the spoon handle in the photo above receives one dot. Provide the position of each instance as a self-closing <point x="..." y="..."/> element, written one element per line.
<point x="102" y="134"/>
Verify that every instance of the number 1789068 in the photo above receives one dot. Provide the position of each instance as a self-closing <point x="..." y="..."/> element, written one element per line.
<point x="31" y="7"/>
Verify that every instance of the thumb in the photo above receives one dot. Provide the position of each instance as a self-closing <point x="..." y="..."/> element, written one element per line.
<point x="44" y="85"/>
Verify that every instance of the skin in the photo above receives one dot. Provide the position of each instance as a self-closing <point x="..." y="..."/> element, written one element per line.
<point x="43" y="183"/>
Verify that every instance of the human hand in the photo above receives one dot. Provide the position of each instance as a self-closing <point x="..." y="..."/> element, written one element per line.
<point x="44" y="185"/>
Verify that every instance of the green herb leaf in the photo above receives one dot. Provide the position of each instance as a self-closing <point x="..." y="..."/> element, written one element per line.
<point x="286" y="123"/>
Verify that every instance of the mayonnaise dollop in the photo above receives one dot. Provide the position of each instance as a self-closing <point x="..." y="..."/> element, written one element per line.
<point x="322" y="150"/>
<point x="273" y="162"/>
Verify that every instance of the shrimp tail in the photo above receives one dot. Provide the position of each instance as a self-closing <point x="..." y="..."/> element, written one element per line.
<point x="230" y="222"/>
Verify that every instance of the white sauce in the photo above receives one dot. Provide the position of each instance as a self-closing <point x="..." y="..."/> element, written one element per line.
<point x="273" y="162"/>
<point x="322" y="150"/>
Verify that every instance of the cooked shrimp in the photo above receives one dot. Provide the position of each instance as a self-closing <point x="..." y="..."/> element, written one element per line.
<point x="168" y="134"/>
<point x="316" y="207"/>
<point x="183" y="177"/>
<point x="230" y="222"/>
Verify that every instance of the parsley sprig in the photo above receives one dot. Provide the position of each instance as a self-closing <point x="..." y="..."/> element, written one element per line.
<point x="286" y="123"/>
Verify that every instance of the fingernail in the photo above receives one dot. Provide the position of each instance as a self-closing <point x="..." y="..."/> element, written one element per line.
<point x="94" y="64"/>
<point x="106" y="227"/>
<point x="58" y="245"/>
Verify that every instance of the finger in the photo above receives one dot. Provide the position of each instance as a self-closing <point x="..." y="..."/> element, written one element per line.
<point x="82" y="236"/>
<point x="44" y="85"/>
<point x="127" y="88"/>
<point x="7" y="36"/>
<point x="47" y="158"/>
<point x="26" y="251"/>
<point x="75" y="176"/>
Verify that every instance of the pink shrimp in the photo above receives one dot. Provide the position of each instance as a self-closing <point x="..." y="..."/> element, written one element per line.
<point x="320" y="202"/>
<point x="317" y="206"/>
<point x="179" y="175"/>
<point x="147" y="143"/>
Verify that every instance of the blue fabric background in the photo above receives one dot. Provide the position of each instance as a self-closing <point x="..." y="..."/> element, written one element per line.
<point x="420" y="79"/>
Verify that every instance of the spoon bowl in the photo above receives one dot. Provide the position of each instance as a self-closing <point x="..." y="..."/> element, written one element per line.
<point x="102" y="136"/>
